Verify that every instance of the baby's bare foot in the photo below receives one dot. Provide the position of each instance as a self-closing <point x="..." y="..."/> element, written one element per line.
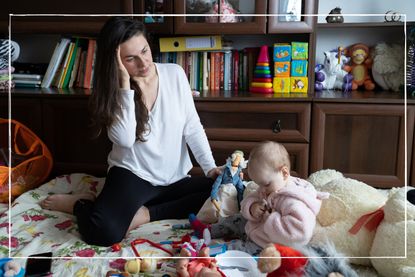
<point x="64" y="202"/>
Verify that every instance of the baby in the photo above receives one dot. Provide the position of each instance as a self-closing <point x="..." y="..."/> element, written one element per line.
<point x="283" y="210"/>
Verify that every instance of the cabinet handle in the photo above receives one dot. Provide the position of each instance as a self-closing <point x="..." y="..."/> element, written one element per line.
<point x="277" y="127"/>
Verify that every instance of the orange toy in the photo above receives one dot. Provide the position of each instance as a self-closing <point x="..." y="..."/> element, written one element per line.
<point x="360" y="65"/>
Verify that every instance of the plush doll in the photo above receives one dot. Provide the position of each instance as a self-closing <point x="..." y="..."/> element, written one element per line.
<point x="331" y="75"/>
<point x="9" y="268"/>
<point x="227" y="191"/>
<point x="227" y="12"/>
<point x="189" y="266"/>
<point x="388" y="66"/>
<point x="390" y="237"/>
<point x="360" y="65"/>
<point x="351" y="202"/>
<point x="282" y="261"/>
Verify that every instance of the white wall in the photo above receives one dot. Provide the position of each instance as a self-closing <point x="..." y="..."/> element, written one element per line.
<point x="367" y="7"/>
<point x="331" y="38"/>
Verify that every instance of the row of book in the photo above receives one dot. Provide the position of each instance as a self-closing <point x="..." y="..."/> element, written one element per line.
<point x="71" y="64"/>
<point x="226" y="69"/>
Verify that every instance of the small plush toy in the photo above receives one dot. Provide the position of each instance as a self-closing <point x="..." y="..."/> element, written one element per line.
<point x="388" y="66"/>
<point x="227" y="191"/>
<point x="282" y="261"/>
<point x="189" y="266"/>
<point x="227" y="12"/>
<point x="360" y="65"/>
<point x="331" y="75"/>
<point x="390" y="236"/>
<point x="9" y="268"/>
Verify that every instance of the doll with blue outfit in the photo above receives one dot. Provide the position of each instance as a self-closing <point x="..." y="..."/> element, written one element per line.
<point x="227" y="191"/>
<point x="9" y="268"/>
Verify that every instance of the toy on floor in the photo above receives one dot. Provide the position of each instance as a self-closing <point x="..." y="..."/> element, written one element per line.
<point x="202" y="266"/>
<point x="361" y="63"/>
<point x="227" y="190"/>
<point x="331" y="74"/>
<point x="278" y="261"/>
<point x="9" y="268"/>
<point x="390" y="235"/>
<point x="350" y="201"/>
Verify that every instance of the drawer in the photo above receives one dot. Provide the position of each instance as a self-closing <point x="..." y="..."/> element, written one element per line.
<point x="254" y="121"/>
<point x="223" y="149"/>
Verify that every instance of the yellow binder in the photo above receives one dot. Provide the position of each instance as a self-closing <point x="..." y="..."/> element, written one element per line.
<point x="193" y="43"/>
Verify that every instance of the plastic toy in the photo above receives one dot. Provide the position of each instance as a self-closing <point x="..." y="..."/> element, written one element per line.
<point x="281" y="84"/>
<point x="262" y="71"/>
<point x="299" y="84"/>
<point x="9" y="268"/>
<point x="360" y="65"/>
<point x="299" y="50"/>
<point x="282" y="52"/>
<point x="331" y="74"/>
<point x="279" y="260"/>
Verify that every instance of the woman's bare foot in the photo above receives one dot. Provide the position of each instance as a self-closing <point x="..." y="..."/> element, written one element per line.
<point x="64" y="202"/>
<point x="142" y="216"/>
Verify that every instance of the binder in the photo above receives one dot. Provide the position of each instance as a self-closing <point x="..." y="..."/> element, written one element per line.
<point x="193" y="43"/>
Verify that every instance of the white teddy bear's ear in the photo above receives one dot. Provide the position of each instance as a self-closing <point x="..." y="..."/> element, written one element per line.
<point x="332" y="210"/>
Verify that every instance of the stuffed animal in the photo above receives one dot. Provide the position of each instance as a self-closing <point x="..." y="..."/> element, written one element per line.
<point x="283" y="261"/>
<point x="339" y="217"/>
<point x="9" y="268"/>
<point x="390" y="237"/>
<point x="227" y="12"/>
<point x="388" y="66"/>
<point x="360" y="65"/>
<point x="331" y="75"/>
<point x="227" y="191"/>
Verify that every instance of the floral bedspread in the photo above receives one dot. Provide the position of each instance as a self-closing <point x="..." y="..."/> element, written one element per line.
<point x="34" y="230"/>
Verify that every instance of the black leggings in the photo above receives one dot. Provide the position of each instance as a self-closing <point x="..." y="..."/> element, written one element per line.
<point x="106" y="220"/>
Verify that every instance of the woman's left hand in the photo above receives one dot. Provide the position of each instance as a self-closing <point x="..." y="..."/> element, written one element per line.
<point x="214" y="172"/>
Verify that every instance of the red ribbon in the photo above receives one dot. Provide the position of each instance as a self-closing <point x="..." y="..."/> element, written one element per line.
<point x="142" y="241"/>
<point x="370" y="221"/>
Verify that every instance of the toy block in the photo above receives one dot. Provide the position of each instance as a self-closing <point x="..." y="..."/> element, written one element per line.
<point x="282" y="69"/>
<point x="281" y="85"/>
<point x="299" y="50"/>
<point x="282" y="52"/>
<point x="299" y="68"/>
<point x="299" y="84"/>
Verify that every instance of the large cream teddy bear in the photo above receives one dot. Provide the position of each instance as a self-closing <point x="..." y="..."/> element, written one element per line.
<point x="376" y="219"/>
<point x="349" y="200"/>
<point x="390" y="238"/>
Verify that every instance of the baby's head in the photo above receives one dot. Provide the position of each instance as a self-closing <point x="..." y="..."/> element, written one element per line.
<point x="269" y="166"/>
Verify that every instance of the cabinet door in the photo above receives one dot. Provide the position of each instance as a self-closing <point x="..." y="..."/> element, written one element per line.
<point x="362" y="141"/>
<point x="25" y="110"/>
<point x="209" y="22"/>
<point x="155" y="21"/>
<point x="69" y="138"/>
<point x="59" y="24"/>
<point x="290" y="18"/>
<point x="253" y="121"/>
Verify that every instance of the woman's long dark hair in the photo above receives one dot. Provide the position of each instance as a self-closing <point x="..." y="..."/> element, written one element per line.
<point x="104" y="103"/>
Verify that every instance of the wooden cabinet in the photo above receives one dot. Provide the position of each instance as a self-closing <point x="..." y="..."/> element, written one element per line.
<point x="232" y="125"/>
<point x="34" y="22"/>
<point x="291" y="18"/>
<point x="363" y="141"/>
<point x="207" y="23"/>
<point x="66" y="126"/>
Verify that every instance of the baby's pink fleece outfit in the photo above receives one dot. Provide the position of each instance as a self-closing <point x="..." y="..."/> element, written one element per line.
<point x="293" y="216"/>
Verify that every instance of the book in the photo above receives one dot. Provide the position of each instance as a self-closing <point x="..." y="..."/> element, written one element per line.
<point x="24" y="76"/>
<point x="64" y="67"/>
<point x="68" y="73"/>
<point x="88" y="63"/>
<point x="55" y="61"/>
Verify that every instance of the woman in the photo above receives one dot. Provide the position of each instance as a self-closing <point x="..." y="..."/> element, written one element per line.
<point x="149" y="115"/>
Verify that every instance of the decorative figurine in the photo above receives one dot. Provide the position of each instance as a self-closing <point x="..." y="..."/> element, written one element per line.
<point x="337" y="17"/>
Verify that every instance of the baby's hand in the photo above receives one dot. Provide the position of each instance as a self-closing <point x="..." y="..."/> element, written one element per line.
<point x="257" y="209"/>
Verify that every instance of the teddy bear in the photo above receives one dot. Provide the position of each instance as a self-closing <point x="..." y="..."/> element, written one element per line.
<point x="388" y="66"/>
<point x="340" y="216"/>
<point x="361" y="62"/>
<point x="389" y="240"/>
